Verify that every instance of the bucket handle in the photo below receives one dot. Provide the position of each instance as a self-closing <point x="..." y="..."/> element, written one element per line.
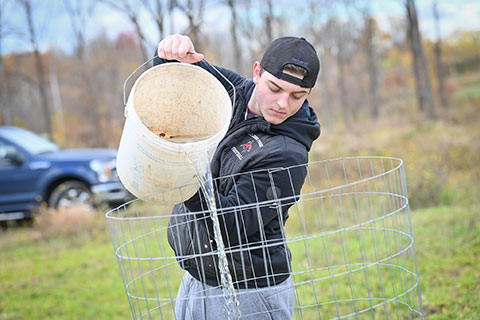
<point x="130" y="75"/>
<point x="156" y="56"/>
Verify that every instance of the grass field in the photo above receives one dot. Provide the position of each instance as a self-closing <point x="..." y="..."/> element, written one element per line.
<point x="74" y="275"/>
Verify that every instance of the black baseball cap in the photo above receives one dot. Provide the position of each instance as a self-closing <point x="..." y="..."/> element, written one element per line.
<point x="294" y="50"/>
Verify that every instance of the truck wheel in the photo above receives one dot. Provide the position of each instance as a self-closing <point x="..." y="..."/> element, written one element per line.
<point x="71" y="194"/>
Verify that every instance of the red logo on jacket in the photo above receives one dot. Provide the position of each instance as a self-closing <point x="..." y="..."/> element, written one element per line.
<point x="247" y="146"/>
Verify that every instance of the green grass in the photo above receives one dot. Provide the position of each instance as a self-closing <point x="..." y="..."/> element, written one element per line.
<point x="76" y="276"/>
<point x="72" y="277"/>
<point x="448" y="255"/>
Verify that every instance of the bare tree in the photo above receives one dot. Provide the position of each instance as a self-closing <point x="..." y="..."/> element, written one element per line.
<point x="420" y="70"/>
<point x="370" y="26"/>
<point x="344" y="48"/>
<point x="259" y="36"/>
<point x="323" y="43"/>
<point x="79" y="11"/>
<point x="171" y="7"/>
<point x="131" y="11"/>
<point x="246" y="28"/>
<point x="5" y="97"/>
<point x="56" y="101"/>
<point x="158" y="9"/>
<point x="233" y="30"/>
<point x="269" y="19"/>
<point x="440" y="70"/>
<point x="415" y="66"/>
<point x="399" y="43"/>
<point x="194" y="11"/>
<point x="41" y="82"/>
<point x="342" y="87"/>
<point x="78" y="17"/>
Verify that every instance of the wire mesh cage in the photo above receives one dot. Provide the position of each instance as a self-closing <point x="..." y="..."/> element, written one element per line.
<point x="346" y="240"/>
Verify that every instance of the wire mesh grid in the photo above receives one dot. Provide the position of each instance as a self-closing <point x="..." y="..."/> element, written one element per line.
<point x="347" y="241"/>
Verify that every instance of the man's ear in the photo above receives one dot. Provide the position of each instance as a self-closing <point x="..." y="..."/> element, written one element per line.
<point x="256" y="71"/>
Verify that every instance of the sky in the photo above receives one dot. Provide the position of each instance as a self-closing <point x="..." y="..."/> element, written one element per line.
<point x="454" y="14"/>
<point x="55" y="31"/>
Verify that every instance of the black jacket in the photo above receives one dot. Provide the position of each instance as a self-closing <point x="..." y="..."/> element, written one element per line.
<point x="258" y="171"/>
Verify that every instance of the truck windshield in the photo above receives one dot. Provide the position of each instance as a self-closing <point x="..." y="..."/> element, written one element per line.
<point x="30" y="142"/>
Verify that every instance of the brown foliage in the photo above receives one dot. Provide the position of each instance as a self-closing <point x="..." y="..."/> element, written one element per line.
<point x="49" y="223"/>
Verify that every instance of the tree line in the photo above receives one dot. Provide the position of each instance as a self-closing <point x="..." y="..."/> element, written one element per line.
<point x="77" y="98"/>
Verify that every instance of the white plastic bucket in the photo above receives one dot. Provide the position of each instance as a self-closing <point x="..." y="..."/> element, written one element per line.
<point x="171" y="108"/>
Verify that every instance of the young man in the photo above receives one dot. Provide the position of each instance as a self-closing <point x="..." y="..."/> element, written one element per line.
<point x="270" y="134"/>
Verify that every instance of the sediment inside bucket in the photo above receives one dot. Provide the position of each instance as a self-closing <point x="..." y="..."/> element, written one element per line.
<point x="181" y="102"/>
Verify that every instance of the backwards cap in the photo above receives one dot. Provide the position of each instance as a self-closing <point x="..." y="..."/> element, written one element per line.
<point x="296" y="51"/>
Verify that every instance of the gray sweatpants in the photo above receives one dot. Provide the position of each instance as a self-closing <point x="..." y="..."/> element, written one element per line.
<point x="198" y="301"/>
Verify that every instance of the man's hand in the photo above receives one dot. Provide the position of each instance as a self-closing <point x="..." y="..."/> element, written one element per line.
<point x="180" y="48"/>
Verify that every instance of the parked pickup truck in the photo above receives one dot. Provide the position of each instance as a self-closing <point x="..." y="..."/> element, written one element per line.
<point x="34" y="171"/>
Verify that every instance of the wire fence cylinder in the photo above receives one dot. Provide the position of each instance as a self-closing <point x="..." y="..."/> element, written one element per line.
<point x="349" y="234"/>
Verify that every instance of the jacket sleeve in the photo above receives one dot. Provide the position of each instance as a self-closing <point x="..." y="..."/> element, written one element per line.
<point x="258" y="197"/>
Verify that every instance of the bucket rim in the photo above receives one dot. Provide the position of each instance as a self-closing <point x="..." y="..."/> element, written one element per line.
<point x="173" y="146"/>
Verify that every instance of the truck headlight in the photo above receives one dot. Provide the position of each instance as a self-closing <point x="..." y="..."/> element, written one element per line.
<point x="103" y="169"/>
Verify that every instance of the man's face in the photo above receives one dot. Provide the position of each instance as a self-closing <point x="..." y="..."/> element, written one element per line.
<point x="274" y="99"/>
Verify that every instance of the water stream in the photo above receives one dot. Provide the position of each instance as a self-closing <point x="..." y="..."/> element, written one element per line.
<point x="201" y="165"/>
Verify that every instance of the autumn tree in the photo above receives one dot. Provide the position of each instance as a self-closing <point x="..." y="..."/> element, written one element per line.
<point x="439" y="67"/>
<point x="419" y="65"/>
<point x="39" y="68"/>
<point x="79" y="11"/>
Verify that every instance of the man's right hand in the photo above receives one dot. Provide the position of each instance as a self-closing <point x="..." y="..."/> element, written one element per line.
<point x="180" y="48"/>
